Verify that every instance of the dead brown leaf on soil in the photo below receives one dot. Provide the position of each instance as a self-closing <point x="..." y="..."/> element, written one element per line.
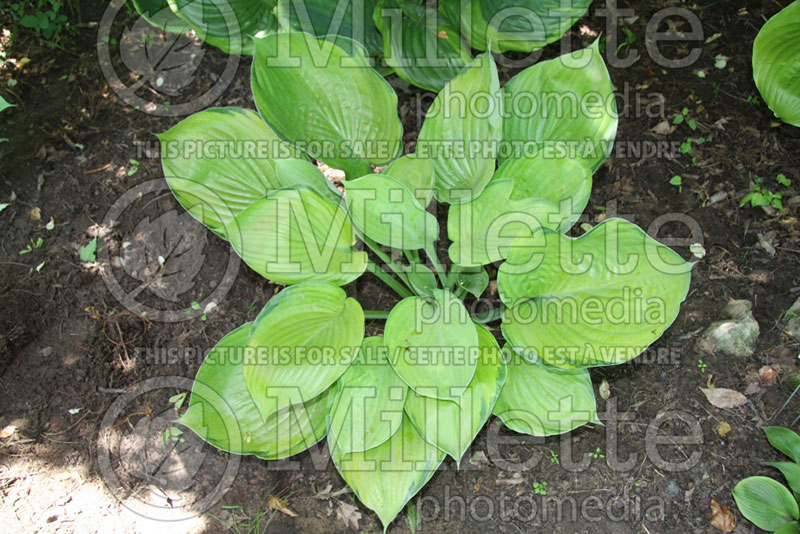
<point x="724" y="398"/>
<point x="349" y="514"/>
<point x="721" y="517"/>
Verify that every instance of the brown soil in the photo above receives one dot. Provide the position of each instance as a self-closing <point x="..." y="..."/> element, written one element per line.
<point x="67" y="341"/>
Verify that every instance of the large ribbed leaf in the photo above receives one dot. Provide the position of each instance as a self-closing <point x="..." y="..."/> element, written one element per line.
<point x="513" y="24"/>
<point x="222" y="412"/>
<point x="451" y="425"/>
<point x="327" y="102"/>
<point x="765" y="502"/>
<point x="159" y="14"/>
<point x="600" y="299"/>
<point x="566" y="183"/>
<point x="295" y="235"/>
<point x="302" y="341"/>
<point x="290" y="172"/>
<point x="387" y="477"/>
<point x="348" y="18"/>
<point x="367" y="405"/>
<point x="776" y="63"/>
<point x="563" y="108"/>
<point x="461" y="131"/>
<point x="542" y="400"/>
<point x="227" y="24"/>
<point x="483" y="230"/>
<point x="419" y="44"/>
<point x="386" y="211"/>
<point x="219" y="161"/>
<point x="415" y="173"/>
<point x="431" y="344"/>
<point x="785" y="440"/>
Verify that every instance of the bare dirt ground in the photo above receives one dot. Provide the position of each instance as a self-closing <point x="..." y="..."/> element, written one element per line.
<point x="82" y="377"/>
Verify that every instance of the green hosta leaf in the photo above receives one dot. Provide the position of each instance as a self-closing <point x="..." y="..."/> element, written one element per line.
<point x="451" y="425"/>
<point x="290" y="172"/>
<point x="765" y="502"/>
<point x="422" y="279"/>
<point x="228" y="25"/>
<point x="387" y="477"/>
<point x="415" y="173"/>
<point x="331" y="104"/>
<point x="542" y="400"/>
<point x="785" y="440"/>
<point x="429" y="342"/>
<point x="219" y="161"/>
<point x="563" y="108"/>
<point x="600" y="299"/>
<point x="295" y="235"/>
<point x="566" y="183"/>
<point x="419" y="44"/>
<point x="776" y="67"/>
<point x="461" y="131"/>
<point x="159" y="14"/>
<point x="4" y="104"/>
<point x="304" y="339"/>
<point x="386" y="211"/>
<point x="351" y="18"/>
<point x="791" y="472"/>
<point x="367" y="406"/>
<point x="222" y="412"/>
<point x="520" y="25"/>
<point x="483" y="230"/>
<point x="473" y="280"/>
<point x="788" y="528"/>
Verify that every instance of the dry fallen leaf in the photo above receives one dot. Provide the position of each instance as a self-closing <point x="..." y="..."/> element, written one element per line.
<point x="721" y="517"/>
<point x="276" y="503"/>
<point x="349" y="514"/>
<point x="35" y="214"/>
<point x="753" y="383"/>
<point x="767" y="375"/>
<point x="663" y="128"/>
<point x="7" y="432"/>
<point x="724" y="398"/>
<point x="442" y="34"/>
<point x="723" y="428"/>
<point x="605" y="389"/>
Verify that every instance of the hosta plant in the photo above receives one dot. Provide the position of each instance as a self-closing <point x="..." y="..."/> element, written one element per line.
<point x="515" y="167"/>
<point x="776" y="63"/>
<point x="425" y="46"/>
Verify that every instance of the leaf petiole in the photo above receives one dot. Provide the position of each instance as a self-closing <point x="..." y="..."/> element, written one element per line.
<point x="490" y="316"/>
<point x="388" y="280"/>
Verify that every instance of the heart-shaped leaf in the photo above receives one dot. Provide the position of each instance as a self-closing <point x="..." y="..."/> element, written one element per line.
<point x="352" y="19"/>
<point x="431" y="344"/>
<point x="214" y="166"/>
<point x="422" y="279"/>
<point x="791" y="472"/>
<point x="416" y="174"/>
<point x="304" y="339"/>
<point x="563" y="108"/>
<point x="776" y="70"/>
<point x="452" y="425"/>
<point x="765" y="502"/>
<point x="387" y="477"/>
<point x="222" y="412"/>
<point x="565" y="183"/>
<point x="367" y="405"/>
<point x="295" y="235"/>
<point x="600" y="299"/>
<point x="542" y="400"/>
<point x="291" y="172"/>
<point x="461" y="131"/>
<point x="419" y="44"/>
<point x="228" y="25"/>
<point x="159" y="14"/>
<point x="326" y="101"/>
<point x="483" y="230"/>
<point x="473" y="280"/>
<point x="386" y="211"/>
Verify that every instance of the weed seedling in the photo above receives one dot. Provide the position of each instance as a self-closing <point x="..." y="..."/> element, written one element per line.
<point x="540" y="488"/>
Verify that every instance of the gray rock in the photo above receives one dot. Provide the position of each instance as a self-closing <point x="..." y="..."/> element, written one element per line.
<point x="792" y="320"/>
<point x="672" y="489"/>
<point x="734" y="337"/>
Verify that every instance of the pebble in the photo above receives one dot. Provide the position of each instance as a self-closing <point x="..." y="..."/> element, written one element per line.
<point x="672" y="489"/>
